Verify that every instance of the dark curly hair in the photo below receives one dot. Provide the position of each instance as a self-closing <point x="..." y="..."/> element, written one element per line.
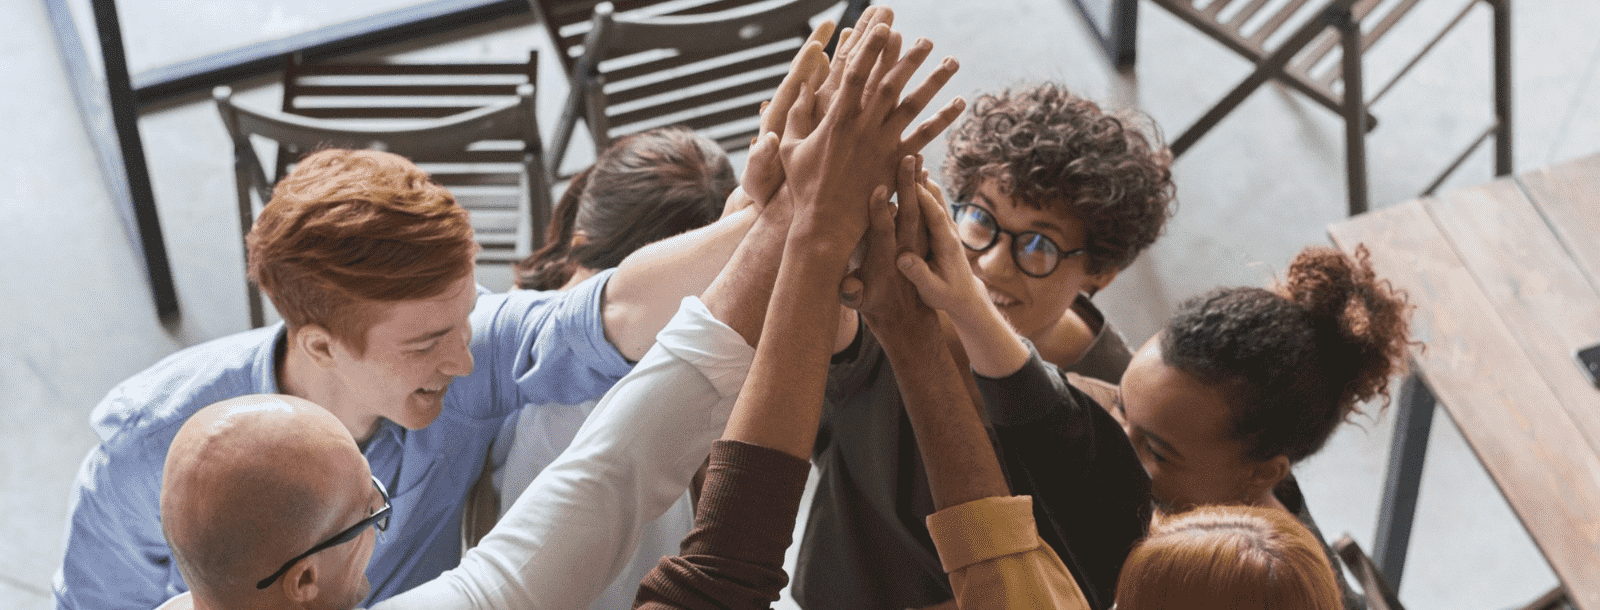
<point x="1048" y="147"/>
<point x="644" y="188"/>
<point x="1296" y="360"/>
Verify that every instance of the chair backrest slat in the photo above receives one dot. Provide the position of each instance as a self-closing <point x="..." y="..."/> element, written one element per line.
<point x="1276" y="21"/>
<point x="682" y="62"/>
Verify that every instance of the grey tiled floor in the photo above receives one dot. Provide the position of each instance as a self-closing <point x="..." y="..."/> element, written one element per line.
<point x="1254" y="191"/>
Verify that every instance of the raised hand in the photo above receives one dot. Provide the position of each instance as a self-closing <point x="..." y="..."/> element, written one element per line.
<point x="763" y="173"/>
<point x="912" y="105"/>
<point x="853" y="149"/>
<point x="886" y="300"/>
<point x="944" y="279"/>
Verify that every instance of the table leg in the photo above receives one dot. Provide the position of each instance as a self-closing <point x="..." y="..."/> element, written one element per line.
<point x="1409" y="447"/>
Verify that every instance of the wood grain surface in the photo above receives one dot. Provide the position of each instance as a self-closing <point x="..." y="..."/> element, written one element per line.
<point x="1498" y="303"/>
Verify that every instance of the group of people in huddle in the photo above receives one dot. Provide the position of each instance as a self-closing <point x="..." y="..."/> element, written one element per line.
<point x="635" y="425"/>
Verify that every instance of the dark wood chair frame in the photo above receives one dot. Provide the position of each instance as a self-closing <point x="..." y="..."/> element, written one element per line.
<point x="461" y="144"/>
<point x="1339" y="23"/>
<point x="1380" y="596"/>
<point x="701" y="66"/>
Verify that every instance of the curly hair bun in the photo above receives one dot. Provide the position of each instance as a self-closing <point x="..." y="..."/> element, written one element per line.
<point x="1361" y="321"/>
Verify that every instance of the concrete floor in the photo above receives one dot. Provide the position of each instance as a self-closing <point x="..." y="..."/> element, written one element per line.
<point x="1262" y="185"/>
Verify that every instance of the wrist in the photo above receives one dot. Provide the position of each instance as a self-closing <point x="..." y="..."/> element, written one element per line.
<point x="821" y="241"/>
<point x="906" y="331"/>
<point x="993" y="348"/>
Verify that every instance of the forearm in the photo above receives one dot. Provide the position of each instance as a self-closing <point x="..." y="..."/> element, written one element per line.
<point x="739" y="294"/>
<point x="782" y="398"/>
<point x="632" y="459"/>
<point x="648" y="285"/>
<point x="734" y="557"/>
<point x="991" y="344"/>
<point x="955" y="446"/>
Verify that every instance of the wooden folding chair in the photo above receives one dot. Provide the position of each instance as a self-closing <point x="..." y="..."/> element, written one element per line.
<point x="1380" y="596"/>
<point x="1299" y="62"/>
<point x="706" y="64"/>
<point x="488" y="157"/>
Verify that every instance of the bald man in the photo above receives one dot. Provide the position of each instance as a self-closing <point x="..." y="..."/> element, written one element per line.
<point x="271" y="500"/>
<point x="254" y="479"/>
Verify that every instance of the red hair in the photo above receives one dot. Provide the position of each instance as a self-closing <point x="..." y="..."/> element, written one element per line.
<point x="1234" y="557"/>
<point x="347" y="229"/>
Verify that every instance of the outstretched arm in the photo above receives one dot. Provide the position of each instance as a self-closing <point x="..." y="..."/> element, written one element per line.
<point x="987" y="539"/>
<point x="643" y="293"/>
<point x="758" y="470"/>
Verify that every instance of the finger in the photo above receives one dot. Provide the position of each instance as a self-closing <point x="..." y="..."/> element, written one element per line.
<point x="943" y="243"/>
<point x="847" y="99"/>
<point x="931" y="128"/>
<point x="908" y="221"/>
<point x="911" y="231"/>
<point x="763" y="173"/>
<point x="886" y="62"/>
<point x="823" y="32"/>
<point x="800" y="121"/>
<point x="881" y="227"/>
<point x="917" y="272"/>
<point x="923" y="93"/>
<point x="894" y="79"/>
<point x="802" y="70"/>
<point x="851" y="290"/>
<point x="873" y="15"/>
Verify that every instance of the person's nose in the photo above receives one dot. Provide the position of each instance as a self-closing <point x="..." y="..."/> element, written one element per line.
<point x="458" y="359"/>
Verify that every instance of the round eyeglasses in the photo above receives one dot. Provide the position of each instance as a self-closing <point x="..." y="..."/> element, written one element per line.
<point x="1034" y="254"/>
<point x="378" y="519"/>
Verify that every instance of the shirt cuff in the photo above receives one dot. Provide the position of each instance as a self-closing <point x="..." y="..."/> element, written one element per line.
<point x="982" y="530"/>
<point x="1024" y="396"/>
<point x="700" y="339"/>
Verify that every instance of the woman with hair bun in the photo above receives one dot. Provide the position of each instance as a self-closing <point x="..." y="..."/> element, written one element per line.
<point x="1228" y="557"/>
<point x="1245" y="382"/>
<point x="1240" y="384"/>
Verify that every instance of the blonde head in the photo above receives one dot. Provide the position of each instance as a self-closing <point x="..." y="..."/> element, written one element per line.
<point x="1235" y="557"/>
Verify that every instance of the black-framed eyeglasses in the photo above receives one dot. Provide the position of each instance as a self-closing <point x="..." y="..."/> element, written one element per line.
<point x="1035" y="254"/>
<point x="378" y="519"/>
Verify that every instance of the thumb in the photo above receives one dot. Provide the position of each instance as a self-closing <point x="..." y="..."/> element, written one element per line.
<point x="850" y="291"/>
<point x="917" y="272"/>
<point x="763" y="174"/>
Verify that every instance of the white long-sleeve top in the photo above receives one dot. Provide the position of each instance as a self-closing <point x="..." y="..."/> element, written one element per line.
<point x="575" y="527"/>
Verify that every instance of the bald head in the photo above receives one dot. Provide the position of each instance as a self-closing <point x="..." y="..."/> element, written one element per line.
<point x="253" y="481"/>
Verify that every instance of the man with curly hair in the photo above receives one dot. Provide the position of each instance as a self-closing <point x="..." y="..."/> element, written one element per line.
<point x="1052" y="197"/>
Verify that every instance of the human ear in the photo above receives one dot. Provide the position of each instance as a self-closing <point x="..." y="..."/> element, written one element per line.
<point x="1097" y="282"/>
<point x="578" y="238"/>
<point x="303" y="582"/>
<point x="1266" y="474"/>
<point x="316" y="342"/>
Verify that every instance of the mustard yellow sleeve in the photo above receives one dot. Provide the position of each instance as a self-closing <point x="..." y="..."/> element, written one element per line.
<point x="992" y="552"/>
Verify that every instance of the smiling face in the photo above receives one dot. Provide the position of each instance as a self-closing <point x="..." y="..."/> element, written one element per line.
<point x="1179" y="427"/>
<point x="1032" y="304"/>
<point x="413" y="352"/>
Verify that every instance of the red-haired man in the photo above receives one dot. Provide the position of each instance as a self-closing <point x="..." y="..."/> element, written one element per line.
<point x="371" y="266"/>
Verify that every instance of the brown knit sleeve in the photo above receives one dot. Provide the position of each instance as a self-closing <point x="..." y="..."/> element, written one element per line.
<point x="743" y="524"/>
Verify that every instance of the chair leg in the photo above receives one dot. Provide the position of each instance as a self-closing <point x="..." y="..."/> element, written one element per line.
<point x="564" y="128"/>
<point x="1269" y="66"/>
<point x="1407" y="451"/>
<point x="1380" y="596"/>
<point x="1355" y="111"/>
<point x="1502" y="85"/>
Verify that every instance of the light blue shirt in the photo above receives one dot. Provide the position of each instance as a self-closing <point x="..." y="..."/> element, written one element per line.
<point x="528" y="347"/>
